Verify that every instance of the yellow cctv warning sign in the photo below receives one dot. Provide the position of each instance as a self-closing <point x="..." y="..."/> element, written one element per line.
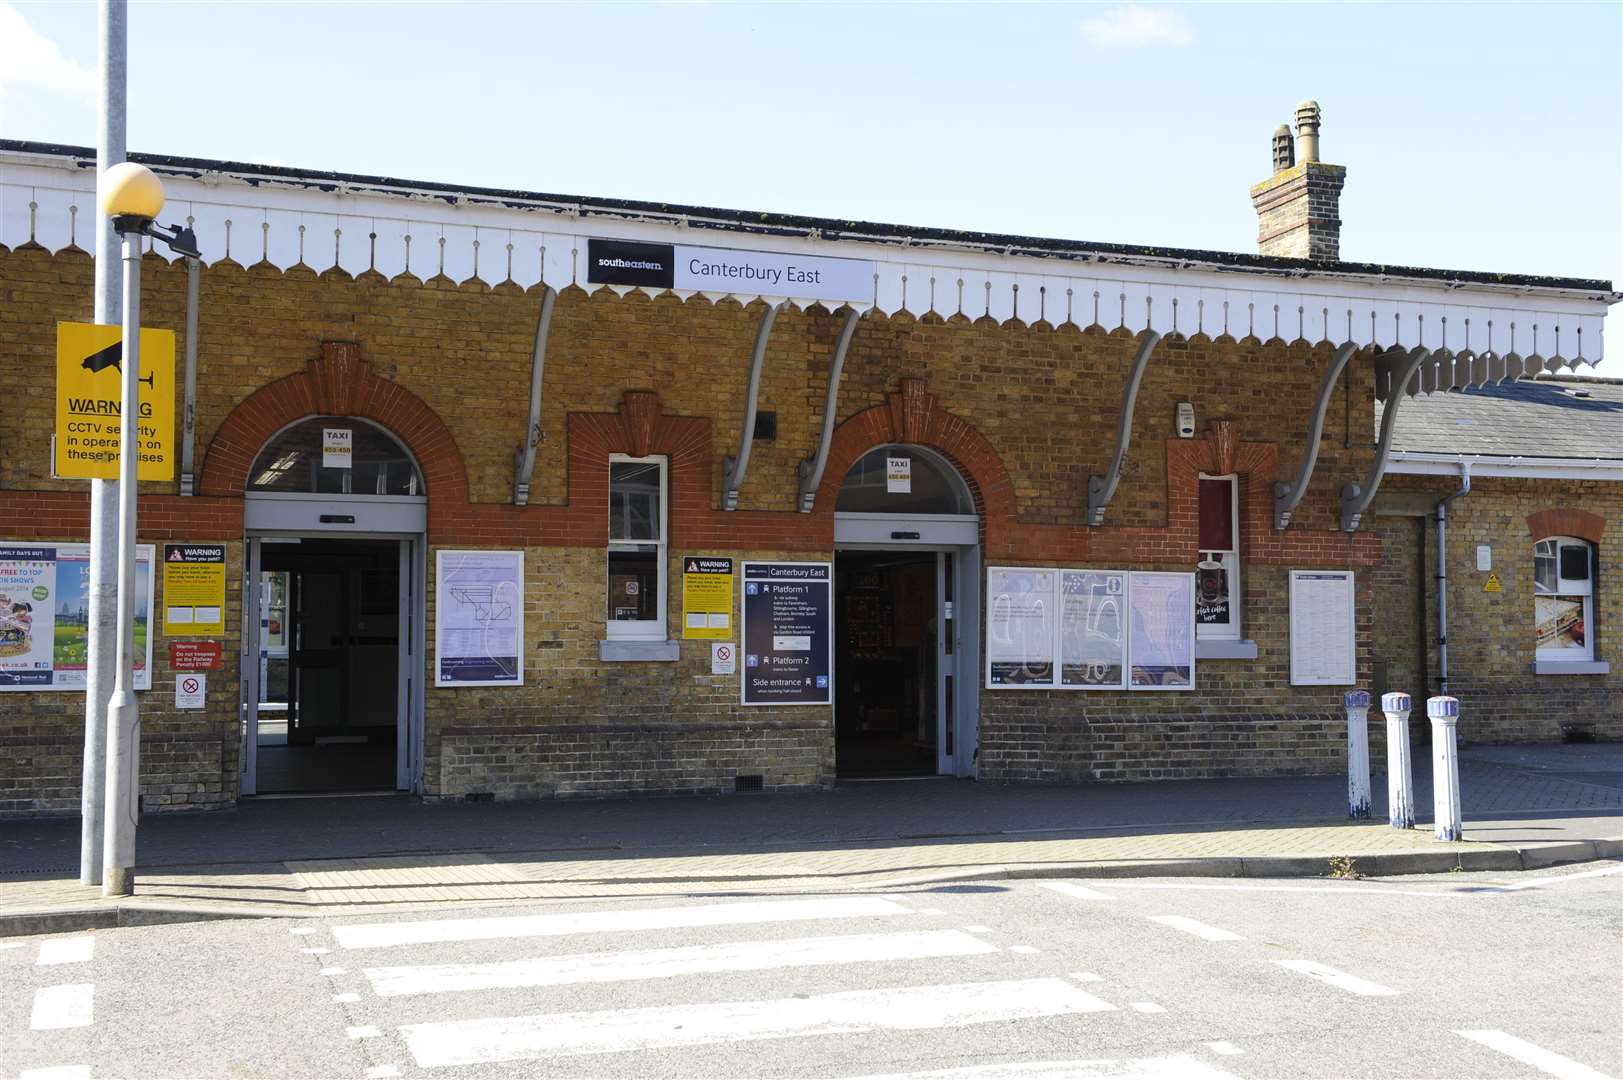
<point x="1492" y="584"/>
<point x="89" y="388"/>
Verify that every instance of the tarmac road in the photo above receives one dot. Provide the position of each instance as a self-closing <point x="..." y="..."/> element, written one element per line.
<point x="1463" y="975"/>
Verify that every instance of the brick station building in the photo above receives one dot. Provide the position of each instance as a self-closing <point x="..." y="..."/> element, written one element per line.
<point x="1029" y="509"/>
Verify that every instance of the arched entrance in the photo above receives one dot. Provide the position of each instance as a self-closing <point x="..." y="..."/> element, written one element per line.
<point x="907" y="616"/>
<point x="336" y="513"/>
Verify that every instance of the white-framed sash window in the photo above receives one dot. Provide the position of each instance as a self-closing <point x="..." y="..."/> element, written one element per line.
<point x="1563" y="599"/>
<point x="637" y="548"/>
<point x="1217" y="576"/>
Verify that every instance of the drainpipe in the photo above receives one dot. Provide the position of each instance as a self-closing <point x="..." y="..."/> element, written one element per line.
<point x="1442" y="577"/>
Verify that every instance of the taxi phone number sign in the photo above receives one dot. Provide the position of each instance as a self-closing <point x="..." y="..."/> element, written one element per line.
<point x="89" y="390"/>
<point x="788" y="634"/>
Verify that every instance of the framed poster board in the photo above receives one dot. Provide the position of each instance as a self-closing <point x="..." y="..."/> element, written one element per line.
<point x="45" y="616"/>
<point x="1161" y="611"/>
<point x="1020" y="627"/>
<point x="1324" y="647"/>
<point x="479" y="618"/>
<point x="1092" y="629"/>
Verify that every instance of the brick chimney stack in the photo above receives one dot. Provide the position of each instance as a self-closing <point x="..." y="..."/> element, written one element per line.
<point x="1299" y="207"/>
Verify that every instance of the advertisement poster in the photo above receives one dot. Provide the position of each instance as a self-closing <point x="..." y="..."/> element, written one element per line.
<point x="45" y="615"/>
<point x="1212" y="605"/>
<point x="193" y="590"/>
<point x="478" y="618"/>
<point x="788" y="634"/>
<point x="1162" y="635"/>
<point x="1020" y="627"/>
<point x="707" y="597"/>
<point x="1323" y="646"/>
<point x="1093" y="617"/>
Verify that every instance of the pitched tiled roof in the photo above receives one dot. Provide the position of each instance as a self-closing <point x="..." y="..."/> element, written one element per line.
<point x="1551" y="417"/>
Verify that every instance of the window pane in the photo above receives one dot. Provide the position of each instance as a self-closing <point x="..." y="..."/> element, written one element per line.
<point x="634" y="500"/>
<point x="1544" y="571"/>
<point x="293" y="461"/>
<point x="922" y="486"/>
<point x="1217" y="515"/>
<point x="1560" y="622"/>
<point x="1575" y="562"/>
<point x="634" y="583"/>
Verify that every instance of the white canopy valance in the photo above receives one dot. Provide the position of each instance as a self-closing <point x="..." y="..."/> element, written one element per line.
<point x="321" y="224"/>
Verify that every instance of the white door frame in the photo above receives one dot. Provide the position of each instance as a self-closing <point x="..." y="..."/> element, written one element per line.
<point x="272" y="517"/>
<point x="960" y="536"/>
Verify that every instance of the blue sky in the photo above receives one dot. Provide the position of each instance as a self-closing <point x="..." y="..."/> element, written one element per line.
<point x="1483" y="137"/>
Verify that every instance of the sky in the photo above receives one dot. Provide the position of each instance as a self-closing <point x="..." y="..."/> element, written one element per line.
<point x="1476" y="136"/>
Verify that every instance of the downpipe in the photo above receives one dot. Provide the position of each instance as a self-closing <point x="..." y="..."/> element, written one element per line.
<point x="1442" y="577"/>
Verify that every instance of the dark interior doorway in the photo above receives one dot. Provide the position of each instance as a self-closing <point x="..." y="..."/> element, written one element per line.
<point x="329" y="711"/>
<point x="886" y="712"/>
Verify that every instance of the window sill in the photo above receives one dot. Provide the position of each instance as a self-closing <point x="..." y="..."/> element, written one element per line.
<point x="634" y="650"/>
<point x="1571" y="667"/>
<point x="1215" y="649"/>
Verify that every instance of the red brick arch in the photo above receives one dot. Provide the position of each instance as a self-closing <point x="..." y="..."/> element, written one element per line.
<point x="914" y="415"/>
<point x="1566" y="521"/>
<point x="337" y="383"/>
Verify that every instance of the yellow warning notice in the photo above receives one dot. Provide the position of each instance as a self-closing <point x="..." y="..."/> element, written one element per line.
<point x="1492" y="584"/>
<point x="89" y="388"/>
<point x="707" y="597"/>
<point x="193" y="589"/>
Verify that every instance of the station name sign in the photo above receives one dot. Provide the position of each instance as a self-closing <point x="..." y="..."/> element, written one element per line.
<point x="728" y="270"/>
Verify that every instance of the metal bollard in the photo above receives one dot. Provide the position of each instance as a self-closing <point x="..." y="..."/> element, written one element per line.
<point x="1399" y="769"/>
<point x="1445" y="766"/>
<point x="1356" y="702"/>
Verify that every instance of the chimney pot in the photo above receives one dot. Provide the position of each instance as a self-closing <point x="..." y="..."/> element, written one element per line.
<point x="1284" y="148"/>
<point x="1299" y="206"/>
<point x="1307" y="129"/>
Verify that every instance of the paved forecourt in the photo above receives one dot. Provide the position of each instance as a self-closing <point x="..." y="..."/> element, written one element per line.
<point x="1447" y="976"/>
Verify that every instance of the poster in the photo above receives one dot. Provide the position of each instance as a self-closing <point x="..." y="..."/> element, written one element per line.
<point x="193" y="590"/>
<point x="89" y="390"/>
<point x="1162" y="631"/>
<point x="45" y="615"/>
<point x="1020" y="627"/>
<point x="1212" y="590"/>
<point x="707" y="597"/>
<point x="1093" y="621"/>
<point x="337" y="448"/>
<point x="478" y="618"/>
<point x="1323" y="646"/>
<point x="898" y="475"/>
<point x="788" y="634"/>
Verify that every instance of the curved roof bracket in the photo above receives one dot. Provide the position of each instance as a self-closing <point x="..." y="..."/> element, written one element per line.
<point x="1355" y="498"/>
<point x="811" y="469"/>
<point x="1101" y="489"/>
<point x="737" y="465"/>
<point x="524" y="460"/>
<point x="1286" y="496"/>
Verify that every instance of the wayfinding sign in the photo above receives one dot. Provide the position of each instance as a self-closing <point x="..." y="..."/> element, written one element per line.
<point x="788" y="633"/>
<point x="89" y="390"/>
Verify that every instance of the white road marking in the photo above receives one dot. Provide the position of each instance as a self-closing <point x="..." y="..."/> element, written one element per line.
<point x="1087" y="976"/>
<point x="913" y="1008"/>
<point x="344" y="998"/>
<point x="1545" y="1061"/>
<point x="1072" y="889"/>
<point x="1556" y="879"/>
<point x="317" y="951"/>
<point x="931" y="911"/>
<point x="57" y="1072"/>
<point x="1204" y="887"/>
<point x="301" y="930"/>
<point x="382" y="1072"/>
<point x="1197" y="928"/>
<point x="366" y="1031"/>
<point x="331" y="971"/>
<point x="71" y="1005"/>
<point x="380" y="935"/>
<point x="625" y="966"/>
<point x="1167" y="1068"/>
<point x="1149" y="1007"/>
<point x="978" y="929"/>
<point x="1226" y="1048"/>
<point x="67" y="950"/>
<point x="11" y="944"/>
<point x="1339" y="979"/>
<point x="1024" y="950"/>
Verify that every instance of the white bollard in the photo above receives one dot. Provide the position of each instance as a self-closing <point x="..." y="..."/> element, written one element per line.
<point x="1399" y="769"/>
<point x="1356" y="702"/>
<point x="1445" y="766"/>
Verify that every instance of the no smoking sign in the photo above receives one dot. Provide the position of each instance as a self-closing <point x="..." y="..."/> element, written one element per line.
<point x="723" y="658"/>
<point x="190" y="690"/>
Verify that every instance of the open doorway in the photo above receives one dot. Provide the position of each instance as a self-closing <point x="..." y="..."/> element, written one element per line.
<point x="329" y="707"/>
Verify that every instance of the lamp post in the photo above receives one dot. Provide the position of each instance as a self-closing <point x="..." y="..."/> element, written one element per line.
<point x="132" y="196"/>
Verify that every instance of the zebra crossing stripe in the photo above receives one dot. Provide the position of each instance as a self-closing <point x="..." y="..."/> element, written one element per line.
<point x="1166" y="1068"/>
<point x="911" y="1008"/>
<point x="68" y="1006"/>
<point x="72" y="950"/>
<point x="602" y="967"/>
<point x="382" y="935"/>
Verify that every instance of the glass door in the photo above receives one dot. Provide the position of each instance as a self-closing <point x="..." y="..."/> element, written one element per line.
<point x="945" y="660"/>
